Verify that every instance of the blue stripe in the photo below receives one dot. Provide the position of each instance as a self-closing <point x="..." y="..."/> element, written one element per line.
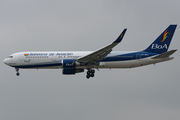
<point x="39" y="65"/>
<point x="129" y="56"/>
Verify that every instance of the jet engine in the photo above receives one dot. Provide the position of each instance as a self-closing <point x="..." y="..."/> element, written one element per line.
<point x="69" y="67"/>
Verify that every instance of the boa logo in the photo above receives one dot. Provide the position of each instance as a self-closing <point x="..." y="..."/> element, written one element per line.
<point x="156" y="46"/>
<point x="165" y="35"/>
<point x="67" y="64"/>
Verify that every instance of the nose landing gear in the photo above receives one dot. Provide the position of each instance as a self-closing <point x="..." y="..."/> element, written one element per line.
<point x="17" y="71"/>
<point x="90" y="73"/>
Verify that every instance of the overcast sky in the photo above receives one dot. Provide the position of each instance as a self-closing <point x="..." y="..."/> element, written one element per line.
<point x="146" y="93"/>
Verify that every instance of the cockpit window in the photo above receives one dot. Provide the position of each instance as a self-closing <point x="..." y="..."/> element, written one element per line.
<point x="10" y="56"/>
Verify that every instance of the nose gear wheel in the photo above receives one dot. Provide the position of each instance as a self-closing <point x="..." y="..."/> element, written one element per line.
<point x="17" y="71"/>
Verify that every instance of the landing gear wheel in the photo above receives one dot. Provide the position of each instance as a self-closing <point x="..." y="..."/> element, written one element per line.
<point x="17" y="74"/>
<point x="17" y="71"/>
<point x="87" y="76"/>
<point x="88" y="72"/>
<point x="92" y="74"/>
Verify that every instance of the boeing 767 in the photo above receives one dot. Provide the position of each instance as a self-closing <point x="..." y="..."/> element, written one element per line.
<point x="72" y="62"/>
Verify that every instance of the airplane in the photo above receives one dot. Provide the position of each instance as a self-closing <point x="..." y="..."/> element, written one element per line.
<point x="72" y="62"/>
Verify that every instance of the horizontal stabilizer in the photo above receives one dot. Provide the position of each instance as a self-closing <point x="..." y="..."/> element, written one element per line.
<point x="165" y="55"/>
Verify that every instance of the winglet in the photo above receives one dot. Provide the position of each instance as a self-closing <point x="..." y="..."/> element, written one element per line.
<point x="120" y="37"/>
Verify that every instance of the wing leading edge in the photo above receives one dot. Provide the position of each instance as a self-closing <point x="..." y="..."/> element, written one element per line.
<point x="101" y="53"/>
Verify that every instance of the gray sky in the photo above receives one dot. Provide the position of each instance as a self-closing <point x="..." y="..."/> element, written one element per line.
<point x="145" y="93"/>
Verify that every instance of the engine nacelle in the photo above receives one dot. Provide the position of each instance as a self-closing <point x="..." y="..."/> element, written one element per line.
<point x="69" y="67"/>
<point x="67" y="71"/>
<point x="69" y="63"/>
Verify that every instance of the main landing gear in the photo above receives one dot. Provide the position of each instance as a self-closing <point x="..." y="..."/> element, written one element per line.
<point x="17" y="71"/>
<point x="90" y="73"/>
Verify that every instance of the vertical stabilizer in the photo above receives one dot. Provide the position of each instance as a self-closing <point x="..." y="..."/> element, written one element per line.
<point x="161" y="44"/>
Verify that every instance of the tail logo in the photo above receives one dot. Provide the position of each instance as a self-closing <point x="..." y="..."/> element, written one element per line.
<point x="121" y="35"/>
<point x="165" y="35"/>
<point x="156" y="46"/>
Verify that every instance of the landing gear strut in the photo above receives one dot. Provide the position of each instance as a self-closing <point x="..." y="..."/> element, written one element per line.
<point x="17" y="71"/>
<point x="90" y="73"/>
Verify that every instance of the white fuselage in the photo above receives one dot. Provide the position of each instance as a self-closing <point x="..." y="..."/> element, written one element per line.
<point x="53" y="60"/>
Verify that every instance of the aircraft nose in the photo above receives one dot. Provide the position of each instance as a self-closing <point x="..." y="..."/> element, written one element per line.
<point x="5" y="61"/>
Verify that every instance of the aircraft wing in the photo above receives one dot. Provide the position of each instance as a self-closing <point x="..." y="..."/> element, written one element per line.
<point x="101" y="53"/>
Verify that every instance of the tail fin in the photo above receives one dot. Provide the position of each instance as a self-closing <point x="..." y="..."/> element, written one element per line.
<point x="161" y="44"/>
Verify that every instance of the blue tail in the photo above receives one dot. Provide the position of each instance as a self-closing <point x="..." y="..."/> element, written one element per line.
<point x="161" y="44"/>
